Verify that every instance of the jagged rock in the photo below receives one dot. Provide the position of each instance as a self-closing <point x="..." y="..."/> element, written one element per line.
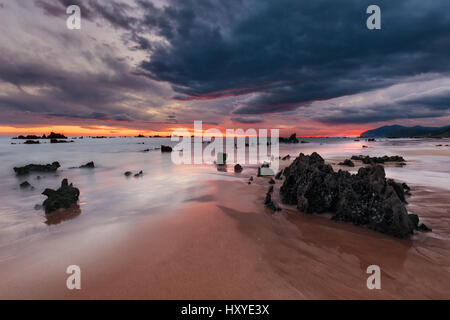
<point x="279" y="175"/>
<point x="291" y="139"/>
<point x="37" y="168"/>
<point x="53" y="135"/>
<point x="424" y="228"/>
<point x="238" y="168"/>
<point x="347" y="163"/>
<point x="139" y="174"/>
<point x="378" y="160"/>
<point x="166" y="149"/>
<point x="89" y="165"/>
<point x="366" y="198"/>
<point x="63" y="198"/>
<point x="269" y="203"/>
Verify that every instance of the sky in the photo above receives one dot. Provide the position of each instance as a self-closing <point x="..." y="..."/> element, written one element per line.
<point x="152" y="66"/>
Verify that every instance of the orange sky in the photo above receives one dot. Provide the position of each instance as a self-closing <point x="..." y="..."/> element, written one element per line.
<point x="73" y="130"/>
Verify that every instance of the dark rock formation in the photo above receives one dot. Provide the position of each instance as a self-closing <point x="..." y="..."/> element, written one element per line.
<point x="291" y="139"/>
<point x="53" y="135"/>
<point x="271" y="181"/>
<point x="37" y="168"/>
<point x="54" y="141"/>
<point x="279" y="175"/>
<point x="63" y="198"/>
<point x="29" y="137"/>
<point x="238" y="168"/>
<point x="166" y="149"/>
<point x="25" y="185"/>
<point x="31" y="142"/>
<point x="89" y="165"/>
<point x="366" y="198"/>
<point x="128" y="173"/>
<point x="269" y="203"/>
<point x="347" y="163"/>
<point x="139" y="174"/>
<point x="424" y="228"/>
<point x="378" y="160"/>
<point x="288" y="157"/>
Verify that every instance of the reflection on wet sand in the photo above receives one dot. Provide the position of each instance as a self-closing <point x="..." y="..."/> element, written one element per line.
<point x="63" y="215"/>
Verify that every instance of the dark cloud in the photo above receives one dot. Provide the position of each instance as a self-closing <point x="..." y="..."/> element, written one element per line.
<point x="311" y="50"/>
<point x="272" y="56"/>
<point x="248" y="120"/>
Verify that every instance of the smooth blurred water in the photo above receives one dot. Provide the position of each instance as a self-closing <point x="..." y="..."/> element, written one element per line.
<point x="108" y="197"/>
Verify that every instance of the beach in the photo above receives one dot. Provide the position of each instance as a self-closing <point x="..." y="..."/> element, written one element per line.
<point x="181" y="232"/>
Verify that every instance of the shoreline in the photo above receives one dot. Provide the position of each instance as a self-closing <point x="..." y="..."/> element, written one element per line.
<point x="221" y="249"/>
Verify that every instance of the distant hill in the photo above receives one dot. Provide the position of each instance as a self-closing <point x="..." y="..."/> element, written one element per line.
<point x="397" y="131"/>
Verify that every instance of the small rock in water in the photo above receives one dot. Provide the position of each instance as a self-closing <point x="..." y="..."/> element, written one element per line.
<point x="140" y="174"/>
<point x="31" y="142"/>
<point x="89" y="165"/>
<point x="25" y="185"/>
<point x="424" y="228"/>
<point x="347" y="163"/>
<point x="238" y="168"/>
<point x="286" y="157"/>
<point x="128" y="173"/>
<point x="37" y="168"/>
<point x="166" y="149"/>
<point x="378" y="160"/>
<point x="63" y="198"/>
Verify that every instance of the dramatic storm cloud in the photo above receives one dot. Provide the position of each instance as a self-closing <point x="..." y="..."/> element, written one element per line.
<point x="266" y="62"/>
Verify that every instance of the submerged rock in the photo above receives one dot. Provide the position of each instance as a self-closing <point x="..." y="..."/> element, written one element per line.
<point x="31" y="142"/>
<point x="63" y="198"/>
<point x="37" y="168"/>
<point x="60" y="141"/>
<point x="166" y="149"/>
<point x="139" y="174"/>
<point x="378" y="160"/>
<point x="89" y="165"/>
<point x="366" y="198"/>
<point x="25" y="185"/>
<point x="347" y="163"/>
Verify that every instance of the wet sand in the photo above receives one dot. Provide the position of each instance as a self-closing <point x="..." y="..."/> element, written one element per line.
<point x="226" y="245"/>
